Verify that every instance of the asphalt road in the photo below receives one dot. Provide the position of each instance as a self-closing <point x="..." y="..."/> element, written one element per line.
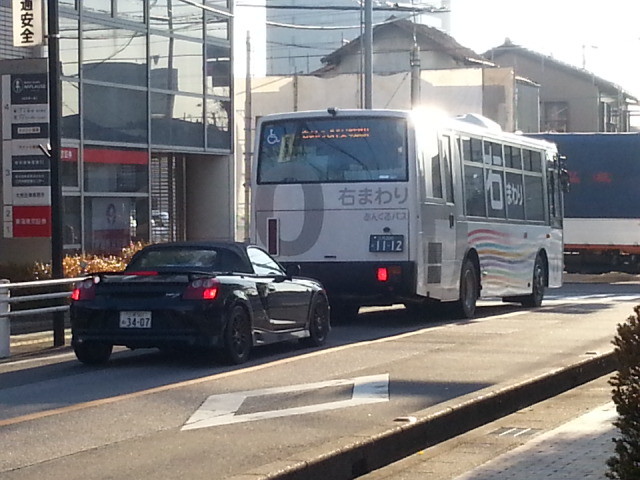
<point x="149" y="415"/>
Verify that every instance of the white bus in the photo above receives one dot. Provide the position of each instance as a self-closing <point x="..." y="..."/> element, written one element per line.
<point x="391" y="206"/>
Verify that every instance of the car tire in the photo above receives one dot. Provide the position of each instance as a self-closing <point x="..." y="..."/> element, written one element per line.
<point x="538" y="283"/>
<point x="319" y="322"/>
<point x="238" y="339"/>
<point x="465" y="307"/>
<point x="93" y="353"/>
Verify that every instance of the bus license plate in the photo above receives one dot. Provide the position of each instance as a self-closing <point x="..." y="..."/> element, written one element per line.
<point x="386" y="243"/>
<point x="135" y="319"/>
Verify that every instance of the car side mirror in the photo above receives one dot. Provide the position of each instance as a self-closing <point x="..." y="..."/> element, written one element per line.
<point x="293" y="270"/>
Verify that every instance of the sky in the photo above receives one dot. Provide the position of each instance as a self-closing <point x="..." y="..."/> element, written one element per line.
<point x="603" y="34"/>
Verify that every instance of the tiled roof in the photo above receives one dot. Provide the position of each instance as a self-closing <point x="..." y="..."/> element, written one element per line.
<point x="426" y="37"/>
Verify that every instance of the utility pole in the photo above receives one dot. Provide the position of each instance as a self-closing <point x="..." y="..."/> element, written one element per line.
<point x="248" y="142"/>
<point x="368" y="53"/>
<point x="55" y="109"/>
<point x="415" y="75"/>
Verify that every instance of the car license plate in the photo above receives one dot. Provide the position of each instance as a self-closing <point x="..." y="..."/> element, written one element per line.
<point x="135" y="319"/>
<point x="386" y="243"/>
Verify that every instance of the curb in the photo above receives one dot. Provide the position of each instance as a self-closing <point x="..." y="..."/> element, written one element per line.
<point x="369" y="451"/>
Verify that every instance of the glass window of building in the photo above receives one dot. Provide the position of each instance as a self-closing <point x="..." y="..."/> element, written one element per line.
<point x="177" y="120"/>
<point x="176" y="64"/>
<point x="69" y="166"/>
<point x="70" y="124"/>
<point x="71" y="234"/>
<point x="132" y="10"/>
<point x="68" y="46"/>
<point x="113" y="114"/>
<point x="112" y="223"/>
<point x="98" y="6"/>
<point x="217" y="26"/>
<point x="115" y="170"/>
<point x="218" y="70"/>
<point x="217" y="3"/>
<point x="218" y="123"/>
<point x="176" y="18"/>
<point x="112" y="54"/>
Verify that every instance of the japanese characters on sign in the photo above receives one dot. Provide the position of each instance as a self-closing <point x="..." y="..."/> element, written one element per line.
<point x="26" y="170"/>
<point x="27" y="23"/>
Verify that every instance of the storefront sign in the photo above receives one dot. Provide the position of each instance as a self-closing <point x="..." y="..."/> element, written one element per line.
<point x="26" y="179"/>
<point x="32" y="221"/>
<point x="28" y="23"/>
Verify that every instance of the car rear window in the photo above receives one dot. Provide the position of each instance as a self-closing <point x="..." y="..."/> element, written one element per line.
<point x="220" y="260"/>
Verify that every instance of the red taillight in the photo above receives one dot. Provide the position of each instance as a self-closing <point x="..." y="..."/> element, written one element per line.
<point x="85" y="290"/>
<point x="202" y="289"/>
<point x="382" y="274"/>
<point x="386" y="274"/>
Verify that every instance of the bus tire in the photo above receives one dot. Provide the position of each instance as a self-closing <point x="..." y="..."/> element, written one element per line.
<point x="538" y="284"/>
<point x="465" y="307"/>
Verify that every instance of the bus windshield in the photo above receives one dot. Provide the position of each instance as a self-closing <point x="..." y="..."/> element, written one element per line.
<point x="333" y="150"/>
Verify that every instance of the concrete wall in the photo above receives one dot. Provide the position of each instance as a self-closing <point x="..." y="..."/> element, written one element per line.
<point x="210" y="198"/>
<point x="558" y="85"/>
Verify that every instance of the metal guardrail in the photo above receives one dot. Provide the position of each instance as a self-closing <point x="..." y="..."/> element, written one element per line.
<point x="7" y="299"/>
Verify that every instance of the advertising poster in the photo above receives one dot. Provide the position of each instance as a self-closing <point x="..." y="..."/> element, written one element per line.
<point x="111" y="225"/>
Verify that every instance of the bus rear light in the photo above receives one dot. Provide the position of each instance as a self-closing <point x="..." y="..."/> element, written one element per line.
<point x="385" y="274"/>
<point x="382" y="274"/>
<point x="273" y="232"/>
<point x="202" y="289"/>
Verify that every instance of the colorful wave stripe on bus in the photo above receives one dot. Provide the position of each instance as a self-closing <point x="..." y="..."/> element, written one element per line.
<point x="503" y="257"/>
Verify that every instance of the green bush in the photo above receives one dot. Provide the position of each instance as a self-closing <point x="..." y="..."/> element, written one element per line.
<point x="625" y="464"/>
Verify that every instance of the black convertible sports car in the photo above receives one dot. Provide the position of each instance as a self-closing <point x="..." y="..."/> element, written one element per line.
<point x="219" y="296"/>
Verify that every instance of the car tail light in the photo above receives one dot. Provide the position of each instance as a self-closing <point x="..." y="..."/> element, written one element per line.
<point x="85" y="290"/>
<point x="202" y="289"/>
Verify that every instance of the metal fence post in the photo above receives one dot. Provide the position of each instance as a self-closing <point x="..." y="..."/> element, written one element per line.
<point x="5" y="330"/>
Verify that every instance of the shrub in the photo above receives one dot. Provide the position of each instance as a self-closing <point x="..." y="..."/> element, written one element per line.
<point x="82" y="264"/>
<point x="625" y="464"/>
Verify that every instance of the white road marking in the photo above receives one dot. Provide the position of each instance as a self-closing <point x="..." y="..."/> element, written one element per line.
<point x="220" y="409"/>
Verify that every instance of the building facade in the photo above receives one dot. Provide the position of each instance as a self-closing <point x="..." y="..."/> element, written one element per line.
<point x="571" y="99"/>
<point x="147" y="110"/>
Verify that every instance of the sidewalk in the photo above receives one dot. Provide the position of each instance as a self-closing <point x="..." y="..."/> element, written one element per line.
<point x="568" y="437"/>
<point x="34" y="344"/>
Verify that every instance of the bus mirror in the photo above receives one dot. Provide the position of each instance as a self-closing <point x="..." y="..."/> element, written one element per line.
<point x="565" y="180"/>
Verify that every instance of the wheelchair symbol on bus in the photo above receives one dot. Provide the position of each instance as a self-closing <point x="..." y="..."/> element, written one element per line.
<point x="272" y="138"/>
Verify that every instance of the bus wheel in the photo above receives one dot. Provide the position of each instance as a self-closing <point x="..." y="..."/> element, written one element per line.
<point x="465" y="307"/>
<point x="538" y="284"/>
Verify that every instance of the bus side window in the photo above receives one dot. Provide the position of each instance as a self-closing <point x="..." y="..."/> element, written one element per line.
<point x="446" y="159"/>
<point x="436" y="176"/>
<point x="474" y="190"/>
